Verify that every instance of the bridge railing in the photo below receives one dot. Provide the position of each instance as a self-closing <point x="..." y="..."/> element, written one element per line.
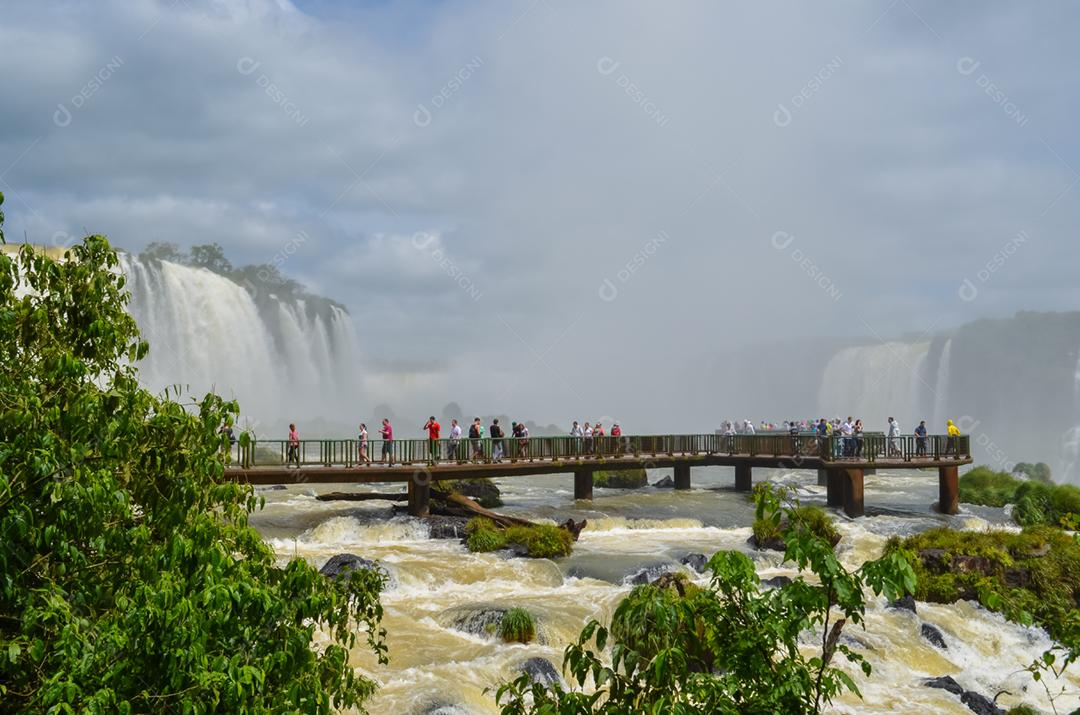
<point x="871" y="447"/>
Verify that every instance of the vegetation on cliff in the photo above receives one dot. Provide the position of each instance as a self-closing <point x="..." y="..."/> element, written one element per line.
<point x="1036" y="499"/>
<point x="130" y="579"/>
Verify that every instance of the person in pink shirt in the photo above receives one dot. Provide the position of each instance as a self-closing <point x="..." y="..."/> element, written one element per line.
<point x="292" y="454"/>
<point x="387" y="433"/>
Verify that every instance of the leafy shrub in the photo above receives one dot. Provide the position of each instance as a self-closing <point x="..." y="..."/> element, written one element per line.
<point x="517" y="626"/>
<point x="987" y="487"/>
<point x="730" y="648"/>
<point x="1036" y="571"/>
<point x="481" y="534"/>
<point x="1038" y="503"/>
<point x="130" y="577"/>
<point x="768" y="529"/>
<point x="1039" y="472"/>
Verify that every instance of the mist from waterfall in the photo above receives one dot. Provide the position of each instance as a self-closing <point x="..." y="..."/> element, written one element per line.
<point x="875" y="382"/>
<point x="941" y="388"/>
<point x="281" y="359"/>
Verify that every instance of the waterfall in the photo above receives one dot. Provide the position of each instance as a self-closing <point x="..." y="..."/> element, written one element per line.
<point x="281" y="359"/>
<point x="874" y="382"/>
<point x="941" y="389"/>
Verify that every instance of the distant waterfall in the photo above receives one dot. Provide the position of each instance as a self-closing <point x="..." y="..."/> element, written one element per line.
<point x="1069" y="470"/>
<point x="874" y="382"/>
<point x="941" y="389"/>
<point x="281" y="359"/>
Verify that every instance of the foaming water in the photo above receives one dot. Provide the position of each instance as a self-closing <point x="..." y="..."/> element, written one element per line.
<point x="437" y="667"/>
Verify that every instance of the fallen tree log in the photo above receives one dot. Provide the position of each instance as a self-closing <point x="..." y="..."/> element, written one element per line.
<point x="361" y="496"/>
<point x="446" y="503"/>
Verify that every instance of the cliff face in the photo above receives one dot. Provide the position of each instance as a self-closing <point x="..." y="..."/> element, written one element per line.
<point x="283" y="356"/>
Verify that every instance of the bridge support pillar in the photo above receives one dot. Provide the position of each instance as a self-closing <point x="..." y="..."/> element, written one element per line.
<point x="853" y="492"/>
<point x="420" y="495"/>
<point x="682" y="476"/>
<point x="744" y="480"/>
<point x="948" y="490"/>
<point x="835" y="482"/>
<point x="583" y="484"/>
<point x="823" y="477"/>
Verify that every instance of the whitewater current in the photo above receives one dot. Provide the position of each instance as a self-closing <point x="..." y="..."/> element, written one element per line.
<point x="437" y="668"/>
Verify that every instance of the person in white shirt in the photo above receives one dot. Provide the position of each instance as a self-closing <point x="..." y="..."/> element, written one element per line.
<point x="894" y="438"/>
<point x="847" y="429"/>
<point x="575" y="443"/>
<point x="455" y="440"/>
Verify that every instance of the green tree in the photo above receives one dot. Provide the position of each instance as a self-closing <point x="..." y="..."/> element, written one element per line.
<point x="729" y="648"/>
<point x="211" y="256"/>
<point x="163" y="251"/>
<point x="130" y="579"/>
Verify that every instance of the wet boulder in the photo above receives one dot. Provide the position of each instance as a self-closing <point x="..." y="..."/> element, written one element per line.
<point x="946" y="683"/>
<point x="776" y="582"/>
<point x="633" y="478"/>
<point x="665" y="483"/>
<point x="446" y="527"/>
<point x="907" y="603"/>
<point x="648" y="574"/>
<point x="341" y="565"/>
<point x="541" y="670"/>
<point x="482" y="619"/>
<point x="932" y="634"/>
<point x="980" y="704"/>
<point x="697" y="562"/>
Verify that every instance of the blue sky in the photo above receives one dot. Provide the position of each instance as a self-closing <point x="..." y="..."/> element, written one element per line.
<point x="724" y="167"/>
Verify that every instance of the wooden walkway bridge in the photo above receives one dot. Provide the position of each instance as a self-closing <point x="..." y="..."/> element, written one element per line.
<point x="840" y="464"/>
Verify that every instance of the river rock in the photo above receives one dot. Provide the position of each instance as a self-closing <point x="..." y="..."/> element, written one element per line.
<point x="980" y="704"/>
<point x="697" y="562"/>
<point x="541" y="670"/>
<point x="945" y="682"/>
<point x="342" y="564"/>
<point x="271" y="488"/>
<point x="665" y="483"/>
<point x="933" y="635"/>
<point x="632" y="478"/>
<point x="513" y="551"/>
<point x="441" y="708"/>
<point x="648" y="574"/>
<point x="483" y="619"/>
<point x="482" y="491"/>
<point x="446" y="527"/>
<point x="907" y="603"/>
<point x="776" y="581"/>
<point x="772" y="544"/>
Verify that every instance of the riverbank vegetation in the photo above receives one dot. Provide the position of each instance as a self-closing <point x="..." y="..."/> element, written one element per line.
<point x="130" y="579"/>
<point x="731" y="647"/>
<point x="1036" y="499"/>
<point x="1036" y="571"/>
<point x="538" y="541"/>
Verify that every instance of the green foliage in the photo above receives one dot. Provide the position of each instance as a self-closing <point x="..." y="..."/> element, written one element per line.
<point x="730" y="648"/>
<point x="770" y="521"/>
<point x="1039" y="472"/>
<point x="1036" y="571"/>
<point x="1039" y="503"/>
<point x="482" y="535"/>
<point x="517" y="626"/>
<point x="987" y="487"/>
<point x="542" y="541"/>
<point x="1022" y="710"/>
<point x="633" y="478"/>
<point x="130" y="579"/>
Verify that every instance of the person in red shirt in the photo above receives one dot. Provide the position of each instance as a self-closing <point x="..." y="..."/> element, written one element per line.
<point x="387" y="433"/>
<point x="432" y="427"/>
<point x="292" y="454"/>
<point x="616" y="432"/>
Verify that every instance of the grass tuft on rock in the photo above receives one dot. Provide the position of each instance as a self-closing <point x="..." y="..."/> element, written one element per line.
<point x="482" y="535"/>
<point x="517" y="626"/>
<point x="767" y="531"/>
<point x="542" y="541"/>
<point x="1036" y="571"/>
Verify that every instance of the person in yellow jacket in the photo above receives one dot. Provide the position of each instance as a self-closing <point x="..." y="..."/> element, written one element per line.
<point x="952" y="444"/>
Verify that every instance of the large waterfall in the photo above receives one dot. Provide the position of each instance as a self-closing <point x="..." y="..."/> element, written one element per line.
<point x="875" y="382"/>
<point x="282" y="359"/>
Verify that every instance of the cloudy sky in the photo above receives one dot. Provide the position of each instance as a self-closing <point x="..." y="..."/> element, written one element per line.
<point x="549" y="204"/>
